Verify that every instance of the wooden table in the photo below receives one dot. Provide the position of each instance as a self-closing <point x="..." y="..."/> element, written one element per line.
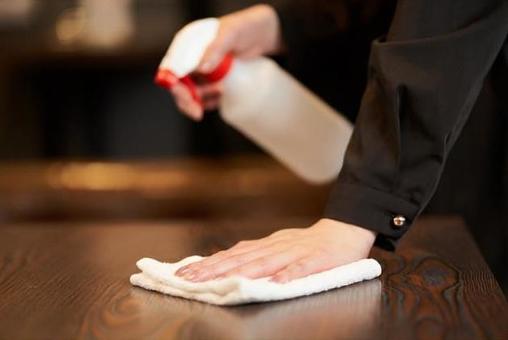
<point x="70" y="280"/>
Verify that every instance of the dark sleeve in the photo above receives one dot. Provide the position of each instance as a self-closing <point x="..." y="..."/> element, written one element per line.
<point x="305" y="22"/>
<point x="424" y="78"/>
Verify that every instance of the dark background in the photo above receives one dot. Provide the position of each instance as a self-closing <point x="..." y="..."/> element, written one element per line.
<point x="73" y="99"/>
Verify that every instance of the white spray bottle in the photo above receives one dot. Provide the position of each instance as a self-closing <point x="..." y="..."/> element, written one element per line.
<point x="265" y="103"/>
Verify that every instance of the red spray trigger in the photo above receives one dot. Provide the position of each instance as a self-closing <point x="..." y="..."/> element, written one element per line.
<point x="167" y="79"/>
<point x="221" y="70"/>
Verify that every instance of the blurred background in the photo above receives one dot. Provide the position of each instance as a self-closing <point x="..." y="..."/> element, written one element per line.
<point x="85" y="134"/>
<point x="76" y="81"/>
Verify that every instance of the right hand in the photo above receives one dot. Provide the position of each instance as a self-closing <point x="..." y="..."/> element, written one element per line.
<point x="248" y="33"/>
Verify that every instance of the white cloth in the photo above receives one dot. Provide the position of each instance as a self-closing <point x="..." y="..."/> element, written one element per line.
<point x="160" y="277"/>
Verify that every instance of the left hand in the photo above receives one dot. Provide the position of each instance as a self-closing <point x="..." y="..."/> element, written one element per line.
<point x="287" y="254"/>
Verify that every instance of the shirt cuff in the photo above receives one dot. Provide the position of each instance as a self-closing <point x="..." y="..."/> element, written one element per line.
<point x="388" y="215"/>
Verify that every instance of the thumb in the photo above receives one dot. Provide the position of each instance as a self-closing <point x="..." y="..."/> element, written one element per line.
<point x="215" y="53"/>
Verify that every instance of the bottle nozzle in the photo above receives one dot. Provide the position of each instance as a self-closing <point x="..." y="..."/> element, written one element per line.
<point x="165" y="78"/>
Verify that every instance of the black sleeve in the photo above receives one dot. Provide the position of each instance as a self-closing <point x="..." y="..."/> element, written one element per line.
<point x="424" y="78"/>
<point x="306" y="22"/>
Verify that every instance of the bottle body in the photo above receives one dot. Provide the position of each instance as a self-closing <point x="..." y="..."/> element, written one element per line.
<point x="287" y="120"/>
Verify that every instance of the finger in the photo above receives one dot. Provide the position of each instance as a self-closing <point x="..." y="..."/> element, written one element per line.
<point x="180" y="91"/>
<point x="190" y="109"/>
<point x="304" y="267"/>
<point x="218" y="256"/>
<point x="210" y="89"/>
<point x="240" y="249"/>
<point x="211" y="104"/>
<point x="267" y="265"/>
<point x="210" y="99"/>
<point x="232" y="263"/>
<point x="216" y="52"/>
<point x="186" y="103"/>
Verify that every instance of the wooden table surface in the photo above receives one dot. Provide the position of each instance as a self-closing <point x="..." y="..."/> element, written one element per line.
<point x="70" y="280"/>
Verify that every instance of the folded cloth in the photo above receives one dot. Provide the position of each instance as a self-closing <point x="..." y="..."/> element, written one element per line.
<point x="235" y="290"/>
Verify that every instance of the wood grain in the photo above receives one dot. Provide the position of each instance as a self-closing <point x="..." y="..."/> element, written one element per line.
<point x="70" y="280"/>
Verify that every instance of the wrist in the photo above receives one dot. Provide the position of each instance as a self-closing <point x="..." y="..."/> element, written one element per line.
<point x="270" y="25"/>
<point x="257" y="27"/>
<point x="361" y="234"/>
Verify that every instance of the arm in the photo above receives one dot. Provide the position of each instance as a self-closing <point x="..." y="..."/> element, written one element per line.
<point x="423" y="81"/>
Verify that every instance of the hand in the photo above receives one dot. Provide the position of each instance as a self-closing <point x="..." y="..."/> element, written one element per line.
<point x="287" y="254"/>
<point x="246" y="34"/>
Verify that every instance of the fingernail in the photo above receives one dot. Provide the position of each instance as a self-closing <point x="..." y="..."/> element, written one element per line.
<point x="190" y="276"/>
<point x="278" y="279"/>
<point x="195" y="113"/>
<point x="198" y="117"/>
<point x="189" y="272"/>
<point x="182" y="272"/>
<point x="197" y="277"/>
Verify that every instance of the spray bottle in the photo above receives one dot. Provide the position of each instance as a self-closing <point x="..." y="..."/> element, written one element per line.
<point x="265" y="103"/>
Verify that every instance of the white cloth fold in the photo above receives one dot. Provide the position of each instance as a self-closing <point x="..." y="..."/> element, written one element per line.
<point x="160" y="277"/>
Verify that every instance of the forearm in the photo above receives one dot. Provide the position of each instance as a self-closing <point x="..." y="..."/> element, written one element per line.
<point x="256" y="29"/>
